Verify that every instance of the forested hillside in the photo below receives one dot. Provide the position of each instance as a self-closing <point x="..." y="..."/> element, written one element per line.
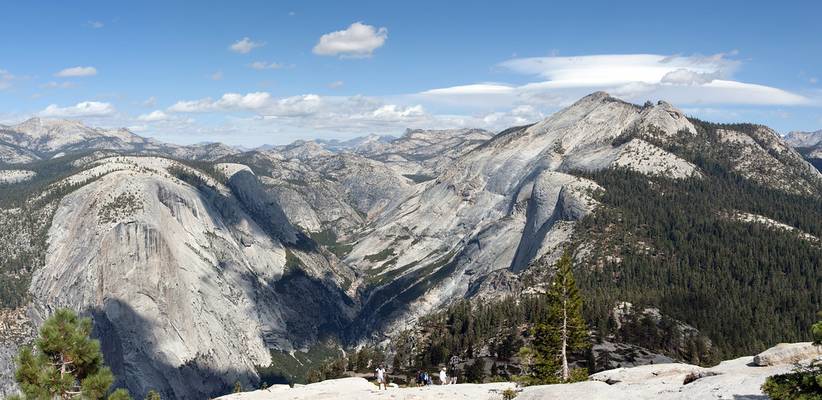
<point x="683" y="247"/>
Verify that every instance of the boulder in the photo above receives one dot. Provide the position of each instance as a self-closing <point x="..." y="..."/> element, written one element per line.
<point x="787" y="353"/>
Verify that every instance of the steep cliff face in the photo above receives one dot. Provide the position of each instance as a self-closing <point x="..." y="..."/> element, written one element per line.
<point x="182" y="283"/>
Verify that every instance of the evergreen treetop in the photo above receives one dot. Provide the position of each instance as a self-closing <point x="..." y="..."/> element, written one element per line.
<point x="65" y="362"/>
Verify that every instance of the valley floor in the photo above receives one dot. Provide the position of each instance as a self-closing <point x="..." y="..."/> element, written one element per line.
<point x="738" y="379"/>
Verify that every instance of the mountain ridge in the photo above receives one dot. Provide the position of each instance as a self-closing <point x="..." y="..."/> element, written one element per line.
<point x="283" y="248"/>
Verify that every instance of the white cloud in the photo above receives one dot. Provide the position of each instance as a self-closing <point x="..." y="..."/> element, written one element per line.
<point x="262" y="65"/>
<point x="688" y="77"/>
<point x="336" y="84"/>
<point x="245" y="45"/>
<point x="228" y="102"/>
<point x="76" y="72"/>
<point x="217" y="76"/>
<point x="610" y="69"/>
<point x="358" y="40"/>
<point x="58" y="85"/>
<point x="393" y="112"/>
<point x="250" y="101"/>
<point x="149" y="102"/>
<point x="6" y="79"/>
<point x="634" y="77"/>
<point x="474" y="89"/>
<point x="96" y="24"/>
<point x="311" y="111"/>
<point x="519" y="115"/>
<point x="154" y="116"/>
<point x="82" y="109"/>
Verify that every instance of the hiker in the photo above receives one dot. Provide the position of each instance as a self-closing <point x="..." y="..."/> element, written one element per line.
<point x="453" y="371"/>
<point x="420" y="378"/>
<point x="381" y="377"/>
<point x="428" y="380"/>
<point x="453" y="376"/>
<point x="443" y="377"/>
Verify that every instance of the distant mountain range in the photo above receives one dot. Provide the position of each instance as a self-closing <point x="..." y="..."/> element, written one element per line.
<point x="196" y="262"/>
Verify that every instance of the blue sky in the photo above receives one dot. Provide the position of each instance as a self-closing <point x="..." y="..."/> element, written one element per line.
<point x="254" y="72"/>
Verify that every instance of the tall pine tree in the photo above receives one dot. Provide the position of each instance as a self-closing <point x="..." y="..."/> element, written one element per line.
<point x="563" y="331"/>
<point x="65" y="362"/>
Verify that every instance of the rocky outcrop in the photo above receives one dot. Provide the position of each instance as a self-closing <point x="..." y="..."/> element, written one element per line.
<point x="16" y="175"/>
<point x="788" y="353"/>
<point x="734" y="379"/>
<point x="16" y="330"/>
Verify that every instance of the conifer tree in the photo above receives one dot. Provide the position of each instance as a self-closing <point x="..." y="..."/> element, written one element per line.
<point x="65" y="362"/>
<point x="563" y="330"/>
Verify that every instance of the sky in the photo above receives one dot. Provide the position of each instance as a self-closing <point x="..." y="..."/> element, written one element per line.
<point x="264" y="72"/>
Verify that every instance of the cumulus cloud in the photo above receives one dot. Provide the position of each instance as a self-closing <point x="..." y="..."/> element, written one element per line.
<point x="245" y="45"/>
<point x="393" y="112"/>
<point x="358" y="40"/>
<point x="263" y="65"/>
<point x="154" y="116"/>
<point x="82" y="109"/>
<point x="312" y="111"/>
<point x="76" y="72"/>
<point x="229" y="101"/>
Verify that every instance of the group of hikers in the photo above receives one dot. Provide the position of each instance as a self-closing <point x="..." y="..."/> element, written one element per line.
<point x="422" y="378"/>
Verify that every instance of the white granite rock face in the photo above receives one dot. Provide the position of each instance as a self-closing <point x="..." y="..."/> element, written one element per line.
<point x="178" y="279"/>
<point x="788" y="353"/>
<point x="16" y="175"/>
<point x="804" y="139"/>
<point x="733" y="380"/>
<point x="511" y="201"/>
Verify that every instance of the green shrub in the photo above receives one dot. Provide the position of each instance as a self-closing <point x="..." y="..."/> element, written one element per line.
<point x="509" y="394"/>
<point x="804" y="383"/>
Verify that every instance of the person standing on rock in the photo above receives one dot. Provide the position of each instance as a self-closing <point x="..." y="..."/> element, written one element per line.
<point x="443" y="377"/>
<point x="381" y="377"/>
<point x="454" y="371"/>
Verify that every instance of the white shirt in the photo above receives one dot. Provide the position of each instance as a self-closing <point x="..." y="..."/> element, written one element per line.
<point x="380" y="373"/>
<point x="443" y="376"/>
